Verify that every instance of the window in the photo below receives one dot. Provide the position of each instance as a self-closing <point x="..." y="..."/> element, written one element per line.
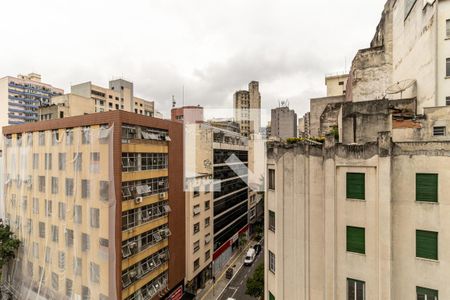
<point x="426" y="294"/>
<point x="95" y="272"/>
<point x="356" y="239"/>
<point x="77" y="214"/>
<point x="196" y="209"/>
<point x="197" y="264"/>
<point x="409" y="4"/>
<point x="95" y="217"/>
<point x="95" y="162"/>
<point x="41" y="229"/>
<point x="196" y="228"/>
<point x="69" y="237"/>
<point x="69" y="288"/>
<point x="77" y="265"/>
<point x="207" y="238"/>
<point x="41" y="184"/>
<point x="61" y="260"/>
<point x="35" y="161"/>
<point x="85" y="293"/>
<point x="69" y="136"/>
<point x="207" y="189"/>
<point x="35" y="205"/>
<point x="271" y="296"/>
<point x="448" y="28"/>
<point x="69" y="186"/>
<point x="356" y="186"/>
<point x="48" y="161"/>
<point x="427" y="244"/>
<point x="41" y="138"/>
<point x="207" y="205"/>
<point x="196" y="246"/>
<point x="271" y="220"/>
<point x="356" y="289"/>
<point x="207" y="221"/>
<point x="55" y="281"/>
<point x="55" y="185"/>
<point x="427" y="187"/>
<point x="54" y="231"/>
<point x="86" y="135"/>
<point x="271" y="262"/>
<point x="207" y="255"/>
<point x="447" y="100"/>
<point x="104" y="190"/>
<point x="61" y="161"/>
<point x="196" y="192"/>
<point x="271" y="179"/>
<point x="85" y="242"/>
<point x="48" y="208"/>
<point x="61" y="210"/>
<point x="447" y="69"/>
<point x="85" y="190"/>
<point x="439" y="130"/>
<point x="77" y="161"/>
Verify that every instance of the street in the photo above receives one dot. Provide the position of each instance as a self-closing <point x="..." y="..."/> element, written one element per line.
<point x="236" y="289"/>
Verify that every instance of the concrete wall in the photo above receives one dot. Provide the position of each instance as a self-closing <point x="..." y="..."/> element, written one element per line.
<point x="312" y="213"/>
<point x="283" y="123"/>
<point x="317" y="106"/>
<point x="415" y="48"/>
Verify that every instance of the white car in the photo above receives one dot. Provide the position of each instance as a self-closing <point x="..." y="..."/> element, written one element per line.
<point x="250" y="257"/>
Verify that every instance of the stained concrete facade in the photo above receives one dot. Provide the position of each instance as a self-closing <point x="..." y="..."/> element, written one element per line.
<point x="312" y="213"/>
<point x="409" y="44"/>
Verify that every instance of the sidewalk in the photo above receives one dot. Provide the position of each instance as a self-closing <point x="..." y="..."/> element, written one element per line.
<point x="212" y="292"/>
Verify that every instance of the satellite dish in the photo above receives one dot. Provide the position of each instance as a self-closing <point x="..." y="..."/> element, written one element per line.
<point x="400" y="87"/>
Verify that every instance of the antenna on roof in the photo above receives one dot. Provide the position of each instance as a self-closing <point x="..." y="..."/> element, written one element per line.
<point x="174" y="103"/>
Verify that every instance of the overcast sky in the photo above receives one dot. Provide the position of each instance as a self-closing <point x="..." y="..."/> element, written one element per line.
<point x="211" y="47"/>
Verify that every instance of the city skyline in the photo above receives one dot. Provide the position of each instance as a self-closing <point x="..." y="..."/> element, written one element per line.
<point x="221" y="47"/>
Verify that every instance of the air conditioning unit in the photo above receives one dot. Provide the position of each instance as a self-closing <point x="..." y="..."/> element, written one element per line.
<point x="133" y="273"/>
<point x="132" y="244"/>
<point x="162" y="195"/>
<point x="138" y="200"/>
<point x="161" y="182"/>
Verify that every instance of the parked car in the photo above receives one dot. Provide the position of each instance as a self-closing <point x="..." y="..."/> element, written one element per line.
<point x="257" y="248"/>
<point x="250" y="257"/>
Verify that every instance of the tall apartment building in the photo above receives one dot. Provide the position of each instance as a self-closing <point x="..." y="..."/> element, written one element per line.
<point x="247" y="109"/>
<point x="119" y="96"/>
<point x="21" y="96"/>
<point x="283" y="123"/>
<point x="216" y="200"/>
<point x="231" y="194"/>
<point x="98" y="203"/>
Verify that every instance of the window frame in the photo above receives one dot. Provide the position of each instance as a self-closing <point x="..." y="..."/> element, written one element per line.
<point x="421" y="196"/>
<point x="353" y="191"/>
<point x="350" y="245"/>
<point x="272" y="262"/>
<point x="355" y="283"/>
<point x="425" y="236"/>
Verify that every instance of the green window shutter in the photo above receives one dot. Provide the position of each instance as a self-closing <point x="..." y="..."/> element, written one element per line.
<point x="356" y="239"/>
<point x="356" y="186"/>
<point x="427" y="244"/>
<point x="271" y="297"/>
<point x="431" y="294"/>
<point x="427" y="187"/>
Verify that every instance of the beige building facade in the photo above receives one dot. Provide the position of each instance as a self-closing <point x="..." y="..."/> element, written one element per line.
<point x="89" y="198"/>
<point x="380" y="235"/>
<point x="118" y="96"/>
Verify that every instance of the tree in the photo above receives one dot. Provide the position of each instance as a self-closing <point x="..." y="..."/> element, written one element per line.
<point x="8" y="245"/>
<point x="255" y="284"/>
